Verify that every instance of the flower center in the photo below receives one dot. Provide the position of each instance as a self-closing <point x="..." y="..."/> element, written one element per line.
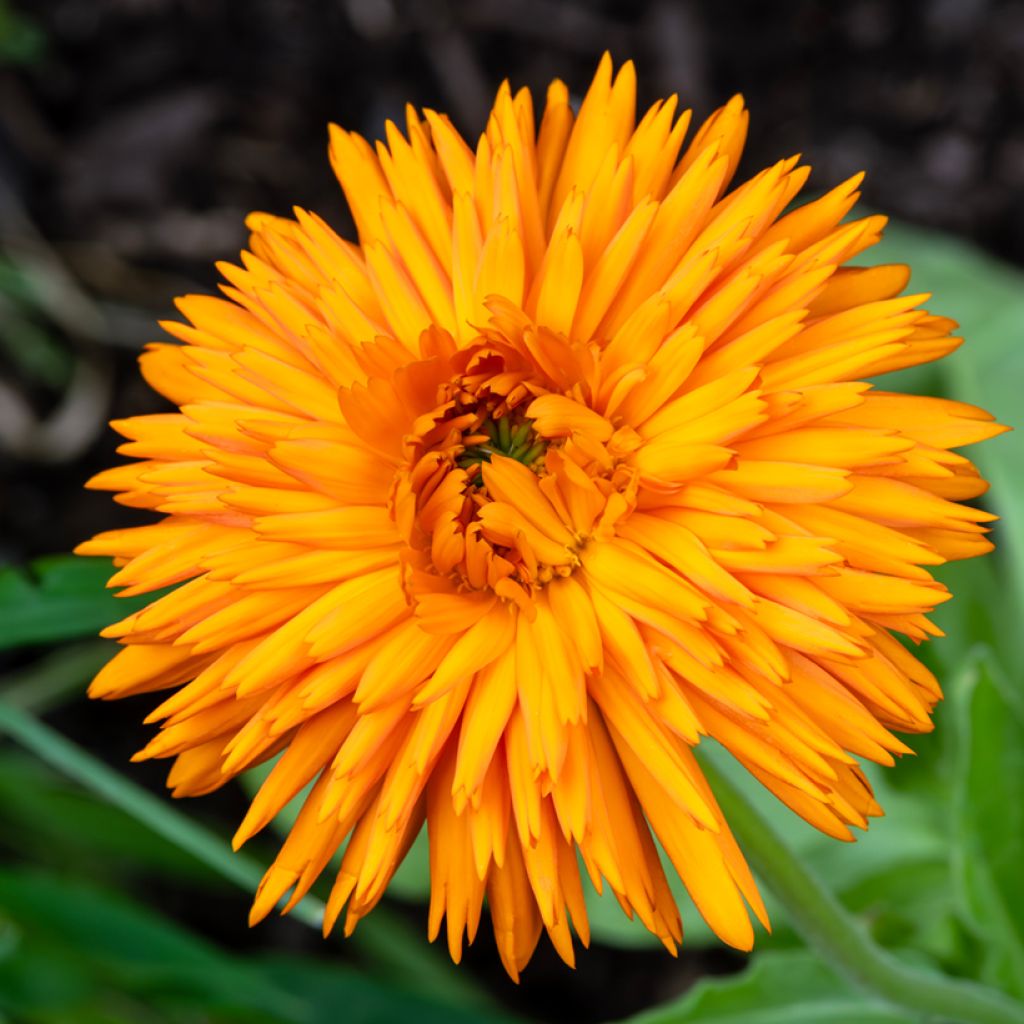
<point x="506" y="475"/>
<point x="467" y="502"/>
<point x="511" y="435"/>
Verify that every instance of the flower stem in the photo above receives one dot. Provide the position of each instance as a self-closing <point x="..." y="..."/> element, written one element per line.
<point x="828" y="928"/>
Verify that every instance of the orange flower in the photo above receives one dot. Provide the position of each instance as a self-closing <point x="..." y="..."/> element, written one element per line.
<point x="485" y="520"/>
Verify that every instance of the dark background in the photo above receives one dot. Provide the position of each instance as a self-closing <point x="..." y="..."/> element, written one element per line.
<point x="136" y="134"/>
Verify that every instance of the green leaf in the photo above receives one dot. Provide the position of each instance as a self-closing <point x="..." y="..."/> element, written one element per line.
<point x="30" y="350"/>
<point x="82" y="953"/>
<point x="777" y="988"/>
<point x="58" y="675"/>
<point x="156" y="814"/>
<point x="60" y="597"/>
<point x="383" y="938"/>
<point x="79" y="943"/>
<point x="53" y="823"/>
<point x="971" y="617"/>
<point x="21" y="39"/>
<point x="989" y="815"/>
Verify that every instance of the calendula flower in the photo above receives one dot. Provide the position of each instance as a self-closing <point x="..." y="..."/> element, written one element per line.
<point x="485" y="520"/>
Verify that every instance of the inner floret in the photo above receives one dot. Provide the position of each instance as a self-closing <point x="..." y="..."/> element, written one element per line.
<point x="511" y="435"/>
<point x="480" y="484"/>
<point x="500" y="493"/>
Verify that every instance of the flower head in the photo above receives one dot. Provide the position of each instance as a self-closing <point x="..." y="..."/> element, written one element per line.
<point x="485" y="520"/>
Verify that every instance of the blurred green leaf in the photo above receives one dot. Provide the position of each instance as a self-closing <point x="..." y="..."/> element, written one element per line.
<point x="989" y="816"/>
<point x="46" y="820"/>
<point x="28" y="346"/>
<point x="144" y="807"/>
<point x="21" y="40"/>
<point x="32" y="351"/>
<point x="80" y="944"/>
<point x="386" y="941"/>
<point x="972" y="617"/>
<point x="82" y="953"/>
<point x="14" y="283"/>
<point x="777" y="988"/>
<point x="60" y="597"/>
<point x="57" y="675"/>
